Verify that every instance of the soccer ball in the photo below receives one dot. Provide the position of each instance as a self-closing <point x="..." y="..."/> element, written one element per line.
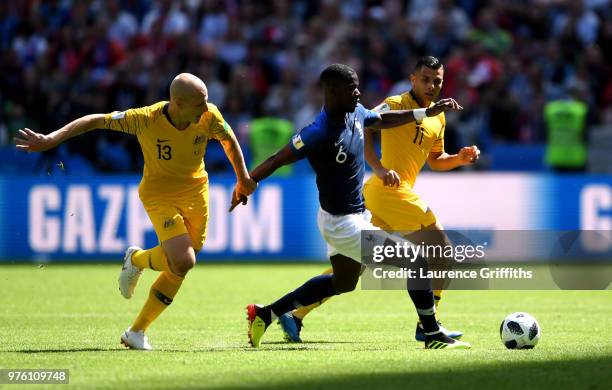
<point x="519" y="331"/>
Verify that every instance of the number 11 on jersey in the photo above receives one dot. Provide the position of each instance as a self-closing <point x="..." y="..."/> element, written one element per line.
<point x="418" y="135"/>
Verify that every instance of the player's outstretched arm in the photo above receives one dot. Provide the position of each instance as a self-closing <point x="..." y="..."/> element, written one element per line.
<point x="245" y="185"/>
<point x="441" y="161"/>
<point x="396" y="118"/>
<point x="285" y="156"/>
<point x="388" y="176"/>
<point x="31" y="141"/>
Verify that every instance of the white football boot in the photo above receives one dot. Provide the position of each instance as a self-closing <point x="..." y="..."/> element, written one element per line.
<point x="135" y="340"/>
<point x="128" y="278"/>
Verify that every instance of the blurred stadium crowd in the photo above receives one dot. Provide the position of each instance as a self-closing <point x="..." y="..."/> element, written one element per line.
<point x="504" y="60"/>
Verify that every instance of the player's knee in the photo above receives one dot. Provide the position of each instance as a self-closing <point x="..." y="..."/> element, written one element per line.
<point x="342" y="286"/>
<point x="182" y="264"/>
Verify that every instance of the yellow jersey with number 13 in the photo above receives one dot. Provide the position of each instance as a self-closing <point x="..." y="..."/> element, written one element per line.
<point x="173" y="159"/>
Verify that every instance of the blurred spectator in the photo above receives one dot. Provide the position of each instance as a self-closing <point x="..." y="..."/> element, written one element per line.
<point x="312" y="106"/>
<point x="440" y="38"/>
<point x="9" y="21"/>
<point x="286" y="95"/>
<point x="29" y="43"/>
<point x="267" y="136"/>
<point x="578" y="21"/>
<point x="566" y="120"/>
<point x="124" y="25"/>
<point x="504" y="61"/>
<point x="489" y="34"/>
<point x="168" y="16"/>
<point x="233" y="47"/>
<point x="215" y="22"/>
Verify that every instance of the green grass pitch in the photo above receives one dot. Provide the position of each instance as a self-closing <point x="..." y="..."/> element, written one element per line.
<point x="71" y="316"/>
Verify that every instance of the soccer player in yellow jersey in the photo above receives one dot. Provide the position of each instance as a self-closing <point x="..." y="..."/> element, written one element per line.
<point x="389" y="194"/>
<point x="174" y="187"/>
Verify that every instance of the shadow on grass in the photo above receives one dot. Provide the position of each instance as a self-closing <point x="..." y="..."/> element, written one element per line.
<point x="314" y="342"/>
<point x="589" y="373"/>
<point x="271" y="347"/>
<point x="65" y="350"/>
<point x="585" y="374"/>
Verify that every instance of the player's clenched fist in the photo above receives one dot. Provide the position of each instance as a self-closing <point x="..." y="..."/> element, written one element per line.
<point x="246" y="186"/>
<point x="469" y="154"/>
<point x="443" y="105"/>
<point x="243" y="189"/>
<point x="237" y="199"/>
<point x="389" y="177"/>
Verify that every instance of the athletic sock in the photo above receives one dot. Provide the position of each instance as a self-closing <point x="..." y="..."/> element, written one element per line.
<point x="424" y="303"/>
<point x="423" y="298"/>
<point x="437" y="298"/>
<point x="154" y="258"/>
<point x="301" y="312"/>
<point x="314" y="290"/>
<point x="162" y="293"/>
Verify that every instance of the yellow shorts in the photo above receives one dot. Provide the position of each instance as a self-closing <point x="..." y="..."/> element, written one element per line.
<point x="174" y="216"/>
<point x="396" y="209"/>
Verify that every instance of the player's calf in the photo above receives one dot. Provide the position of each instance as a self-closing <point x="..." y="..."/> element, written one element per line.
<point x="342" y="286"/>
<point x="346" y="273"/>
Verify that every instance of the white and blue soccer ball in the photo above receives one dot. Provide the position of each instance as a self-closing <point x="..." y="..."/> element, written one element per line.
<point x="519" y="331"/>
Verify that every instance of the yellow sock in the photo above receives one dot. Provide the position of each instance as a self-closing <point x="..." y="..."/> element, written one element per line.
<point x="162" y="293"/>
<point x="154" y="258"/>
<point x="437" y="298"/>
<point x="303" y="311"/>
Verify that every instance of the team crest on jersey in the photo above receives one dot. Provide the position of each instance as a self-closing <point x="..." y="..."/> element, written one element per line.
<point x="169" y="222"/>
<point x="297" y="142"/>
<point x="382" y="108"/>
<point x="118" y="115"/>
<point x="198" y="144"/>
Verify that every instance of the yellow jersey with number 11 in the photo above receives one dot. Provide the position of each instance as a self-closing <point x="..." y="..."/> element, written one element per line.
<point x="405" y="148"/>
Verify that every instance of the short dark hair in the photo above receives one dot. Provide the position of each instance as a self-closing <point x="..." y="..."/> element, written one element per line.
<point x="336" y="73"/>
<point x="428" y="61"/>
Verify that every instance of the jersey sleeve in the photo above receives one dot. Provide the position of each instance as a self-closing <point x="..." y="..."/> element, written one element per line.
<point x="438" y="144"/>
<point x="132" y="121"/>
<point x="303" y="142"/>
<point x="219" y="128"/>
<point x="370" y="117"/>
<point x="390" y="103"/>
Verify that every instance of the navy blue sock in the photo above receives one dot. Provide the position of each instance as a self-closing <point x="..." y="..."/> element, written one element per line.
<point x="422" y="296"/>
<point x="314" y="290"/>
<point x="424" y="303"/>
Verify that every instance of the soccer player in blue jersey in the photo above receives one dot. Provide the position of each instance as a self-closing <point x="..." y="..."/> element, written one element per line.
<point x="334" y="147"/>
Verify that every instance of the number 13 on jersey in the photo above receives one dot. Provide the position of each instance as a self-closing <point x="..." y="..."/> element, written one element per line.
<point x="164" y="152"/>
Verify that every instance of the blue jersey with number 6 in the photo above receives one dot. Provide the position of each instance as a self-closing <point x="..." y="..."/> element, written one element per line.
<point x="336" y="155"/>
